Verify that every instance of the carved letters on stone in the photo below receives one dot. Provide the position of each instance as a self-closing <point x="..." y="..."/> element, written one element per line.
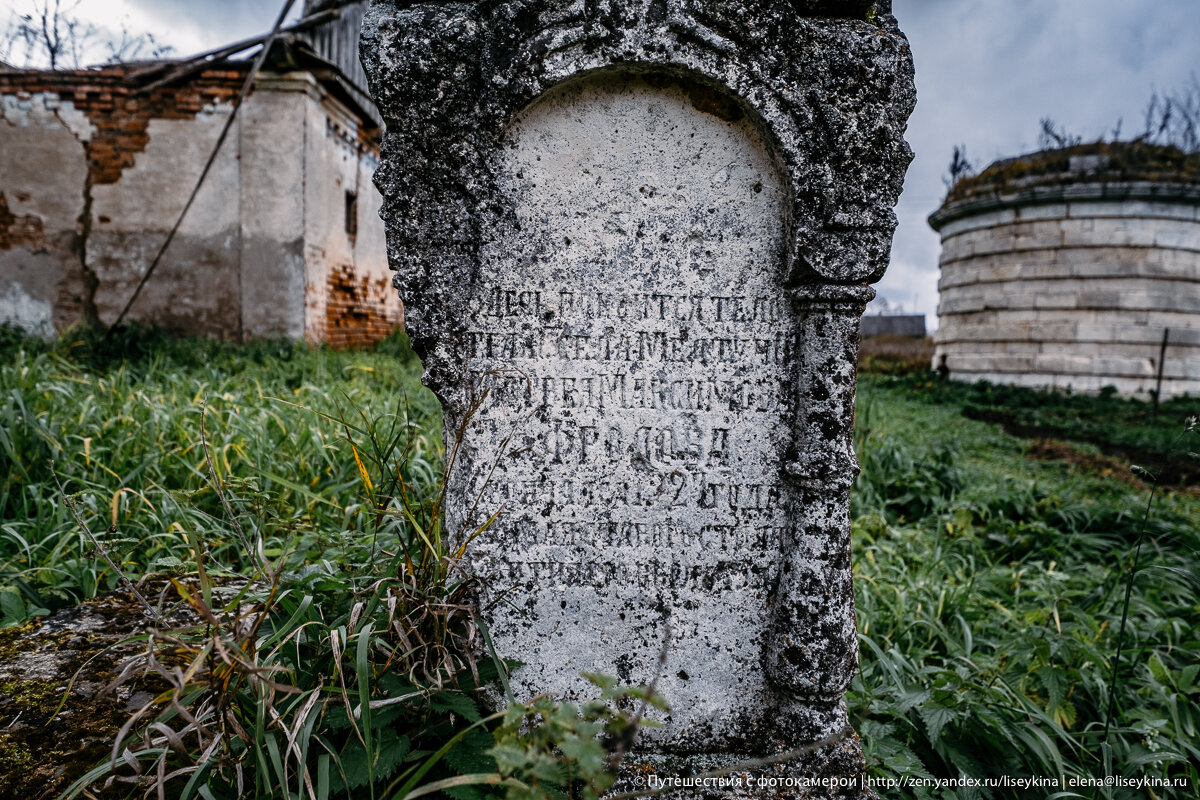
<point x="634" y="315"/>
<point x="646" y="229"/>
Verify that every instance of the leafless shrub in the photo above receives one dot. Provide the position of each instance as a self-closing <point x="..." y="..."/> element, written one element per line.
<point x="1174" y="119"/>
<point x="1054" y="136"/>
<point x="52" y="33"/>
<point x="960" y="167"/>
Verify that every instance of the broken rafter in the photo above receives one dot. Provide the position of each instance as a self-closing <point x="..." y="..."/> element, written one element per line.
<point x="201" y="61"/>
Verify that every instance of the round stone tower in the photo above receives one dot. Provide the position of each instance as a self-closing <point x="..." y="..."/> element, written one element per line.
<point x="1072" y="268"/>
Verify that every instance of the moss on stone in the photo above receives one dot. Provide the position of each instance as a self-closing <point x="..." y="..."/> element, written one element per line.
<point x="15" y="757"/>
<point x="43" y="747"/>
<point x="1115" y="161"/>
<point x="10" y="639"/>
<point x="33" y="695"/>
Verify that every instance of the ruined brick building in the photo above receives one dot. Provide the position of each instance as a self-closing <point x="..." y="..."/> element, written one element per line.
<point x="284" y="238"/>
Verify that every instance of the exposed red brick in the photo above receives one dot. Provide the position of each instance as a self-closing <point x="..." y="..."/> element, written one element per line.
<point x="23" y="231"/>
<point x="357" y="310"/>
<point x="120" y="114"/>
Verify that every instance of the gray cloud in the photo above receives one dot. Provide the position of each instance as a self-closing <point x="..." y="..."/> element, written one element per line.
<point x="988" y="70"/>
<point x="213" y="22"/>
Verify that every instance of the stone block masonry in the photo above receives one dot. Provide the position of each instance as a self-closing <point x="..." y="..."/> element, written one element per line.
<point x="646" y="231"/>
<point x="1072" y="281"/>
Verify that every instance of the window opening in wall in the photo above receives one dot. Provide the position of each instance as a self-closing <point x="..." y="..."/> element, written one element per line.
<point x="352" y="216"/>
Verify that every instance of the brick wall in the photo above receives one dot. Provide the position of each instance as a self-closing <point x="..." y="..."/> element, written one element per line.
<point x="120" y="113"/>
<point x="357" y="309"/>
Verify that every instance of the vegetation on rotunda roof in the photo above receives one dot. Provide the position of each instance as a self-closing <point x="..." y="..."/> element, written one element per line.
<point x="1096" y="162"/>
<point x="1166" y="151"/>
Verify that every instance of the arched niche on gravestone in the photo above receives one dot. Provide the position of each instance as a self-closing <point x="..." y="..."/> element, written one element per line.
<point x="646" y="228"/>
<point x="632" y="323"/>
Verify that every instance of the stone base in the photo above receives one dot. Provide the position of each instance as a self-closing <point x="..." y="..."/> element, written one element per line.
<point x="831" y="771"/>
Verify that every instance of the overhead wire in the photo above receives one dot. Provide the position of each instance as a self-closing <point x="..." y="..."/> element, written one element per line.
<point x="267" y="43"/>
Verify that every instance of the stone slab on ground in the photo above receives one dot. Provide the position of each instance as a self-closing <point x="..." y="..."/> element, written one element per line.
<point x="46" y="741"/>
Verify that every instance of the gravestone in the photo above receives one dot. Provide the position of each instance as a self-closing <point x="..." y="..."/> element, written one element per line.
<point x="634" y="239"/>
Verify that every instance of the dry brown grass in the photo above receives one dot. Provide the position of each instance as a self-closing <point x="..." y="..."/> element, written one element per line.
<point x="895" y="355"/>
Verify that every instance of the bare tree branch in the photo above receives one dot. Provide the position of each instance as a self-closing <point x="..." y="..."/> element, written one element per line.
<point x="51" y="33"/>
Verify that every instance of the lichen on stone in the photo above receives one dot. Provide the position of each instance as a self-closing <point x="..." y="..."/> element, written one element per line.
<point x="57" y="718"/>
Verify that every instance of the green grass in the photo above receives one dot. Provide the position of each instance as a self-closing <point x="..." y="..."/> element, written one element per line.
<point x="120" y="426"/>
<point x="989" y="590"/>
<point x="990" y="586"/>
<point x="298" y="492"/>
<point x="1126" y="429"/>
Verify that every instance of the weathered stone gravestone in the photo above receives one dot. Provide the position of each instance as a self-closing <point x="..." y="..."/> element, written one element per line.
<point x="647" y="228"/>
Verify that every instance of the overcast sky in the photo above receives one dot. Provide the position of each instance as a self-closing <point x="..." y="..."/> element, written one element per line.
<point x="987" y="72"/>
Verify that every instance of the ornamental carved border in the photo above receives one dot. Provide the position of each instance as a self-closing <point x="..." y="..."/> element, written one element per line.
<point x="830" y="83"/>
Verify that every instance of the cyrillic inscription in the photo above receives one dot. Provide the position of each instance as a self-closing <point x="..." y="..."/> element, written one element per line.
<point x="637" y="349"/>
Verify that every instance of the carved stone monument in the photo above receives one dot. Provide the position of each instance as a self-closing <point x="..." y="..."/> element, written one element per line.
<point x="634" y="240"/>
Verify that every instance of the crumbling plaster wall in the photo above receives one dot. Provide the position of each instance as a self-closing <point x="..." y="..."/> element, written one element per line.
<point x="94" y="171"/>
<point x="195" y="288"/>
<point x="43" y="173"/>
<point x="351" y="301"/>
<point x="273" y="209"/>
<point x="93" y="177"/>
